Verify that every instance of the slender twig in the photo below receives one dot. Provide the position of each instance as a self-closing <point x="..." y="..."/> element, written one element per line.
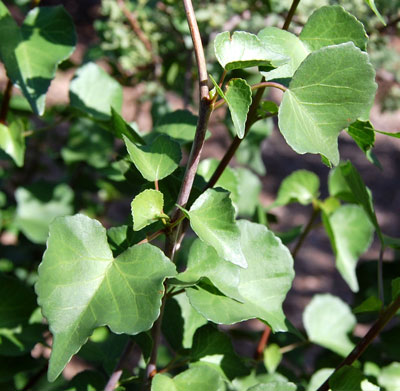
<point x="292" y="346"/>
<point x="268" y="84"/>
<point x="376" y="328"/>
<point x="6" y="102"/>
<point x="262" y="343"/>
<point x="290" y="14"/>
<point x="306" y="231"/>
<point x="174" y="365"/>
<point x="153" y="236"/>
<point x="178" y="292"/>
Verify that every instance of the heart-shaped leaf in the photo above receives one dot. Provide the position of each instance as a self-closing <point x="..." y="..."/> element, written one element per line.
<point x="157" y="160"/>
<point x="81" y="286"/>
<point x="333" y="87"/>
<point x="147" y="208"/>
<point x="212" y="217"/>
<point x="32" y="52"/>
<point x="12" y="141"/>
<point x="244" y="50"/>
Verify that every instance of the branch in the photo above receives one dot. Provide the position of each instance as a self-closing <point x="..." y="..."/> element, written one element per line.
<point x="289" y="16"/>
<point x="377" y="327"/>
<point x="6" y="102"/>
<point x="262" y="343"/>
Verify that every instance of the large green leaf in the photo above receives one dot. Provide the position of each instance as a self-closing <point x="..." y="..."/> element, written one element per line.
<point x="286" y="44"/>
<point x="242" y="50"/>
<point x="38" y="205"/>
<point x="198" y="378"/>
<point x="32" y="52"/>
<point x="328" y="320"/>
<point x="238" y="98"/>
<point x="147" y="208"/>
<point x="269" y="276"/>
<point x="94" y="92"/>
<point x="12" y="141"/>
<point x="157" y="160"/>
<point x="212" y="217"/>
<point x="350" y="232"/>
<point x="301" y="186"/>
<point x="92" y="289"/>
<point x="333" y="87"/>
<point x="204" y="262"/>
<point x="332" y="25"/>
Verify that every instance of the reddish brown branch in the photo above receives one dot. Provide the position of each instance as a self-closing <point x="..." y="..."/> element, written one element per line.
<point x="262" y="343"/>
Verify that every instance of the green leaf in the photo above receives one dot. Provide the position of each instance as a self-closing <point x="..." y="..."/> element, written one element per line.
<point x="147" y="208"/>
<point x="333" y="25"/>
<point x="238" y="97"/>
<point x="372" y="5"/>
<point x="157" y="160"/>
<point x="32" y="52"/>
<point x="346" y="379"/>
<point x="269" y="275"/>
<point x="93" y="289"/>
<point x="244" y="50"/>
<point x="121" y="127"/>
<point x="395" y="288"/>
<point x="286" y="44"/>
<point x="272" y="357"/>
<point x="203" y="261"/>
<point x="362" y="132"/>
<point x="338" y="186"/>
<point x="12" y="141"/>
<point x="121" y="237"/>
<point x="198" y="378"/>
<point x="215" y="348"/>
<point x="212" y="218"/>
<point x="318" y="378"/>
<point x="301" y="186"/>
<point x="333" y="87"/>
<point x="249" y="189"/>
<point x="328" y="320"/>
<point x="372" y="304"/>
<point x="38" y="205"/>
<point x="274" y="386"/>
<point x="390" y="376"/>
<point x="350" y="232"/>
<point x="87" y="92"/>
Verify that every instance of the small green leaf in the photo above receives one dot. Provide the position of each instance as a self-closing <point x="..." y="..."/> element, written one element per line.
<point x="244" y="50"/>
<point x="362" y="132"/>
<point x="390" y="377"/>
<point x="395" y="288"/>
<point x="338" y="186"/>
<point x="372" y="5"/>
<point x="301" y="186"/>
<point x="121" y="127"/>
<point x="286" y="44"/>
<point x="238" y="97"/>
<point x="157" y="160"/>
<point x="318" y="378"/>
<point x="32" y="52"/>
<point x="147" y="208"/>
<point x="198" y="378"/>
<point x="269" y="275"/>
<point x="272" y="357"/>
<point x="346" y="378"/>
<point x="333" y="25"/>
<point x="350" y="232"/>
<point x="12" y="141"/>
<point x="38" y="205"/>
<point x="93" y="289"/>
<point x="212" y="217"/>
<point x="87" y="92"/>
<point x="372" y="304"/>
<point x="328" y="320"/>
<point x="333" y="87"/>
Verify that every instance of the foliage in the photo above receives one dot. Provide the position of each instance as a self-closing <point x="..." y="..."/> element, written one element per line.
<point x="110" y="283"/>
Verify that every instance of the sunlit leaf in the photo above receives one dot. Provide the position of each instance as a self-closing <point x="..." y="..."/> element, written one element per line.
<point x="12" y="141"/>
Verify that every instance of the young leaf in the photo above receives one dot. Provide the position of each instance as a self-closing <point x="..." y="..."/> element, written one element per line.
<point x="244" y="50"/>
<point x="301" y="186"/>
<point x="272" y="357"/>
<point x="38" y="205"/>
<point x="286" y="44"/>
<point x="238" y="98"/>
<point x="372" y="5"/>
<point x="212" y="217"/>
<point x="362" y="132"/>
<point x="12" y="141"/>
<point x="93" y="289"/>
<point x="332" y="88"/>
<point x="328" y="320"/>
<point x="198" y="378"/>
<point x="32" y="52"/>
<point x="157" y="160"/>
<point x="147" y="208"/>
<point x="350" y="232"/>
<point x="269" y="275"/>
<point x="87" y="92"/>
<point x="333" y="25"/>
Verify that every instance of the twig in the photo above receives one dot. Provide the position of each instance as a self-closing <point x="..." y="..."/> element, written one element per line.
<point x="377" y="327"/>
<point x="262" y="343"/>
<point x="290" y="14"/>
<point x="5" y="104"/>
<point x="151" y="237"/>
